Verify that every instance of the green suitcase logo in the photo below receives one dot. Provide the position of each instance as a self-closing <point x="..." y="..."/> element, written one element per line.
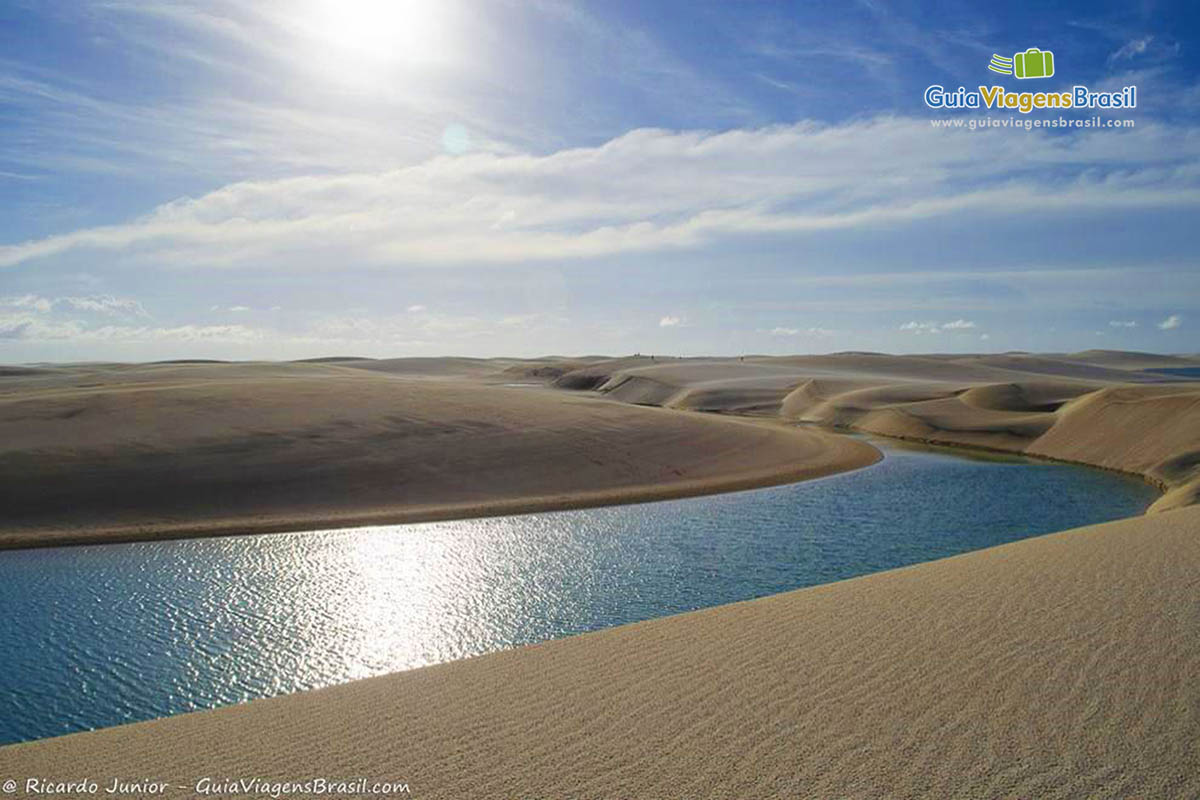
<point x="1033" y="63"/>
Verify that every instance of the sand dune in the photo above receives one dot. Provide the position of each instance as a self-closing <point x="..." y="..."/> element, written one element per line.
<point x="172" y="450"/>
<point x="1060" y="367"/>
<point x="76" y="377"/>
<point x="1109" y="413"/>
<point x="902" y="368"/>
<point x="1154" y="431"/>
<point x="1062" y="666"/>
<point x="427" y="367"/>
<point x="178" y="448"/>
<point x="1122" y="359"/>
<point x="1028" y="396"/>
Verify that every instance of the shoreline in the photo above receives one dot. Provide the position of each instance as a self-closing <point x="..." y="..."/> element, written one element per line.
<point x="445" y="513"/>
<point x="945" y="677"/>
<point x="580" y="502"/>
<point x="838" y="454"/>
<point x="1149" y="480"/>
<point x="151" y="452"/>
<point x="409" y="514"/>
<point x="1064" y="410"/>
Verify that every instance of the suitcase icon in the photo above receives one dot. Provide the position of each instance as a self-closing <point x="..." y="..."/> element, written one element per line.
<point x="1033" y="63"/>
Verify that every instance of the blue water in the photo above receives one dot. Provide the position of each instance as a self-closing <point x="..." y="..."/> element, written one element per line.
<point x="97" y="636"/>
<point x="1178" y="372"/>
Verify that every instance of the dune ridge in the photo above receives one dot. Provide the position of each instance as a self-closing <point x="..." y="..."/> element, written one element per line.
<point x="114" y="453"/>
<point x="99" y="452"/>
<point x="1100" y="408"/>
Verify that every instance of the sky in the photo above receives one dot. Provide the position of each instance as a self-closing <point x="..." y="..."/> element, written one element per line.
<point x="430" y="177"/>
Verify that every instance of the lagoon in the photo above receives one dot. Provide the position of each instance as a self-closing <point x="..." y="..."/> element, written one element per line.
<point x="102" y="635"/>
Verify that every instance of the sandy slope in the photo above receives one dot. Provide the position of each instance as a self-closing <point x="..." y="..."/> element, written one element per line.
<point x="178" y="448"/>
<point x="103" y="452"/>
<point x="1099" y="407"/>
<point x="1062" y="666"/>
<point x="1124" y="359"/>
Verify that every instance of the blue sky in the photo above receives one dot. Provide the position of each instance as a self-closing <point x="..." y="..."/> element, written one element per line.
<point x="410" y="177"/>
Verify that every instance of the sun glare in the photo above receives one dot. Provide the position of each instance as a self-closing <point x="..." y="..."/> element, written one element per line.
<point x="389" y="31"/>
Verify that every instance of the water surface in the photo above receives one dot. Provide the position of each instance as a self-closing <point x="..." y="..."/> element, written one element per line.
<point x="1178" y="372"/>
<point x="101" y="635"/>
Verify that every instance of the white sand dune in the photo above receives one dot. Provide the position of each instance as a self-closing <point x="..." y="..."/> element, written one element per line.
<point x="1109" y="414"/>
<point x="1061" y="367"/>
<point x="115" y="453"/>
<point x="1122" y="359"/>
<point x="186" y="448"/>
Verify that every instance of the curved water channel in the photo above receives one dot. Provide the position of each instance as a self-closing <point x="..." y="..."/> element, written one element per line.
<point x="101" y="635"/>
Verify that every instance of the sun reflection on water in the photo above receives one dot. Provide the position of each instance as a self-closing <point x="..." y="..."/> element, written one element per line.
<point x="101" y="635"/>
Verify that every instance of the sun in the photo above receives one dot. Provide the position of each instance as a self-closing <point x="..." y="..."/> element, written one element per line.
<point x="388" y="31"/>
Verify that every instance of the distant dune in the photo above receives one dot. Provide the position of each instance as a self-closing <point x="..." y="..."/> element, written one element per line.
<point x="1127" y="360"/>
<point x="1100" y="408"/>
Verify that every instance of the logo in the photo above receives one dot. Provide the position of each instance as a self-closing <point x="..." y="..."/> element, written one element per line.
<point x="1033" y="63"/>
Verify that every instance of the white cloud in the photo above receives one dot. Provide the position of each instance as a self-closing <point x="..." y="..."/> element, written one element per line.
<point x="921" y="327"/>
<point x="1171" y="322"/>
<point x="31" y="328"/>
<point x="106" y="304"/>
<point x="984" y="336"/>
<point x="27" y="326"/>
<point x="416" y="309"/>
<point x="651" y="190"/>
<point x="181" y="333"/>
<point x="30" y="301"/>
<point x="403" y="330"/>
<point x="670" y="322"/>
<point x="239" y="309"/>
<point x="936" y="328"/>
<point x="1134" y="47"/>
<point x="351" y="332"/>
<point x="822" y="333"/>
<point x="1145" y="47"/>
<point x="98" y="304"/>
<point x="1116" y="323"/>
